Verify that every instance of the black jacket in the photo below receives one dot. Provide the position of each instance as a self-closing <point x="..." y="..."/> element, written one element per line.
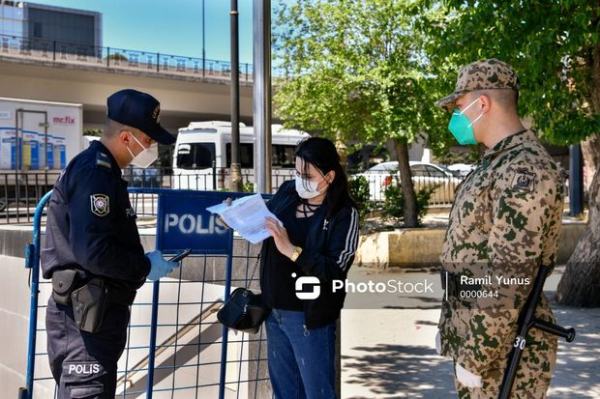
<point x="91" y="223"/>
<point x="327" y="255"/>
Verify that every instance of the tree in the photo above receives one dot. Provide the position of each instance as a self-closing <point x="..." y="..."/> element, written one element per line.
<point x="92" y="132"/>
<point x="354" y="70"/>
<point x="554" y="46"/>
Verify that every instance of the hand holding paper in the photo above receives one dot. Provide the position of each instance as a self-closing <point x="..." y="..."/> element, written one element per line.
<point x="247" y="216"/>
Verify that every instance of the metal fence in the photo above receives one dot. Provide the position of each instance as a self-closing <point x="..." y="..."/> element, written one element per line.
<point x="175" y="344"/>
<point x="444" y="188"/>
<point x="116" y="58"/>
<point x="20" y="191"/>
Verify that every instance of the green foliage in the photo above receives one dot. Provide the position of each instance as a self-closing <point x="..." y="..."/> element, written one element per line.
<point x="248" y="187"/>
<point x="359" y="189"/>
<point x="117" y="57"/>
<point x="92" y="132"/>
<point x="393" y="204"/>
<point x="470" y="156"/>
<point x="355" y="70"/>
<point x="551" y="43"/>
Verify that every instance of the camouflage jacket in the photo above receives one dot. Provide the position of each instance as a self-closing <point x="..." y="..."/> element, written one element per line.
<point x="504" y="223"/>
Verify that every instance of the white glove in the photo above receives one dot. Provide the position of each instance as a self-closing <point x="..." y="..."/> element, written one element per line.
<point x="438" y="343"/>
<point x="467" y="378"/>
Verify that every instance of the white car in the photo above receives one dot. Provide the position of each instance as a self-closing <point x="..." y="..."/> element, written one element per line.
<point x="424" y="174"/>
<point x="461" y="169"/>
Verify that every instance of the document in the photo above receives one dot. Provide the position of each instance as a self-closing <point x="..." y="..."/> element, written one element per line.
<point x="246" y="215"/>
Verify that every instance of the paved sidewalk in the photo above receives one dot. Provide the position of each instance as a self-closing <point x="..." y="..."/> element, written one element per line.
<point x="388" y="351"/>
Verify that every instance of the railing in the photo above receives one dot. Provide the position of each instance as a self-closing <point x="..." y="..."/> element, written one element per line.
<point x="443" y="195"/>
<point x="20" y="191"/>
<point x="121" y="59"/>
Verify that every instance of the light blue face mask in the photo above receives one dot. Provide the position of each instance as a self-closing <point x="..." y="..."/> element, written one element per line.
<point x="461" y="127"/>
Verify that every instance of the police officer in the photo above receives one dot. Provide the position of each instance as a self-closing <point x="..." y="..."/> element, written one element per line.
<point x="504" y="224"/>
<point x="93" y="252"/>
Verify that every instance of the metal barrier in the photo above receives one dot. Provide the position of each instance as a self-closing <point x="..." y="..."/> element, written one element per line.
<point x="444" y="186"/>
<point x="175" y="347"/>
<point x="21" y="191"/>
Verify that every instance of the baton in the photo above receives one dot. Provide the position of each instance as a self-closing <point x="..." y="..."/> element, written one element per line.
<point x="526" y="322"/>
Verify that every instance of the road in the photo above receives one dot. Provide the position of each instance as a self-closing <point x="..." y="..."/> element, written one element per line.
<point x="388" y="345"/>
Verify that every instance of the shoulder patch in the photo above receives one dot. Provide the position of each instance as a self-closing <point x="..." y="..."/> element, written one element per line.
<point x="524" y="181"/>
<point x="103" y="160"/>
<point x="100" y="204"/>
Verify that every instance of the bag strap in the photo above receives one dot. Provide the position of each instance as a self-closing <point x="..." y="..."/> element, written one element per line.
<point x="256" y="264"/>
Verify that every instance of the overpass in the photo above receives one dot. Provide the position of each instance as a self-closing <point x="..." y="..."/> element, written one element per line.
<point x="189" y="89"/>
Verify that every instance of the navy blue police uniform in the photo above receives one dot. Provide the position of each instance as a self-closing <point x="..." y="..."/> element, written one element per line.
<point x="91" y="228"/>
<point x="94" y="257"/>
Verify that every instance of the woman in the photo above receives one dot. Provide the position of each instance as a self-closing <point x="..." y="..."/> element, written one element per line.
<point x="317" y="241"/>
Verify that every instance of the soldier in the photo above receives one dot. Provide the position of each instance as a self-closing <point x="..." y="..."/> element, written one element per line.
<point x="93" y="252"/>
<point x="504" y="224"/>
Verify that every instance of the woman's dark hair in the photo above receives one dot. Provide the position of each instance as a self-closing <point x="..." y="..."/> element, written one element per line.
<point x="322" y="154"/>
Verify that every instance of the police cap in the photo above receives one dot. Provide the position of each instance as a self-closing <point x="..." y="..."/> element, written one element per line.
<point x="139" y="110"/>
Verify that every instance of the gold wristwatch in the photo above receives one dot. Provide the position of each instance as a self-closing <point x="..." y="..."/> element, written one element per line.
<point x="296" y="253"/>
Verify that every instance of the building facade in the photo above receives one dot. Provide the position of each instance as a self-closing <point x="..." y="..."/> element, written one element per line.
<point x="42" y="27"/>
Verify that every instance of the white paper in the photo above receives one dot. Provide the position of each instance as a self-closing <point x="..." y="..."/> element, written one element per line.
<point x="246" y="215"/>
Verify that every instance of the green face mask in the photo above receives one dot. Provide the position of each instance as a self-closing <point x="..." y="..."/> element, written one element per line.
<point x="461" y="127"/>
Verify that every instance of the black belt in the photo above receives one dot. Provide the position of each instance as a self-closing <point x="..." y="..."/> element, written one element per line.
<point x="115" y="295"/>
<point x="65" y="281"/>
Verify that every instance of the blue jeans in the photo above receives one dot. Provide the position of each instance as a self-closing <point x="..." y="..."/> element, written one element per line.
<point x="301" y="361"/>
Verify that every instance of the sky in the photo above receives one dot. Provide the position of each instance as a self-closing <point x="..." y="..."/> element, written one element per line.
<point x="169" y="26"/>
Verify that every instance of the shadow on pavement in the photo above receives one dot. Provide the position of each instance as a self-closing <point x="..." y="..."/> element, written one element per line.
<point x="396" y="371"/>
<point x="578" y="364"/>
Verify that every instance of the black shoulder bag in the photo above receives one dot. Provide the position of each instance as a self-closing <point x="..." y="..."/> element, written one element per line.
<point x="244" y="311"/>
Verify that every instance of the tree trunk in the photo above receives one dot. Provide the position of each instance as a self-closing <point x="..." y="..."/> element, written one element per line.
<point x="591" y="160"/>
<point x="580" y="285"/>
<point x="408" y="192"/>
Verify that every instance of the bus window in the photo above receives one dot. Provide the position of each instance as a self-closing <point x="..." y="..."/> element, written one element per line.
<point x="195" y="155"/>
<point x="246" y="155"/>
<point x="283" y="156"/>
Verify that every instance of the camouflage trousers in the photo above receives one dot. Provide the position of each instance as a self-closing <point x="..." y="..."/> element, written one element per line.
<point x="533" y="376"/>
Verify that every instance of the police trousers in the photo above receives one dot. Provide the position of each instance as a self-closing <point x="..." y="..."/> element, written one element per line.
<point x="84" y="365"/>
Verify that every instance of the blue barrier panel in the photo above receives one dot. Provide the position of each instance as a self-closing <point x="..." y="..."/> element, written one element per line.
<point x="182" y="222"/>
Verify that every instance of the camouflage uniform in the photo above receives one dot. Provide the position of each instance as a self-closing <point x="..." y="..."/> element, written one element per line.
<point x="505" y="222"/>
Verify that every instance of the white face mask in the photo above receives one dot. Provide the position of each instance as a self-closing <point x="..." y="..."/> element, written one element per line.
<point x="146" y="157"/>
<point x="306" y="188"/>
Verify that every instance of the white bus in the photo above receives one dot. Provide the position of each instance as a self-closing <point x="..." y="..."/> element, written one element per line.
<point x="203" y="155"/>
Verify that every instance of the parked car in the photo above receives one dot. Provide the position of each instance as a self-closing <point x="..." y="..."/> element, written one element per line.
<point x="461" y="169"/>
<point x="424" y="174"/>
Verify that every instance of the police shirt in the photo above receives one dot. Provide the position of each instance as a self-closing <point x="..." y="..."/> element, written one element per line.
<point x="91" y="225"/>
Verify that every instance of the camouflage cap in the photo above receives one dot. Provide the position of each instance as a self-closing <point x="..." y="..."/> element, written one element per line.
<point x="481" y="75"/>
